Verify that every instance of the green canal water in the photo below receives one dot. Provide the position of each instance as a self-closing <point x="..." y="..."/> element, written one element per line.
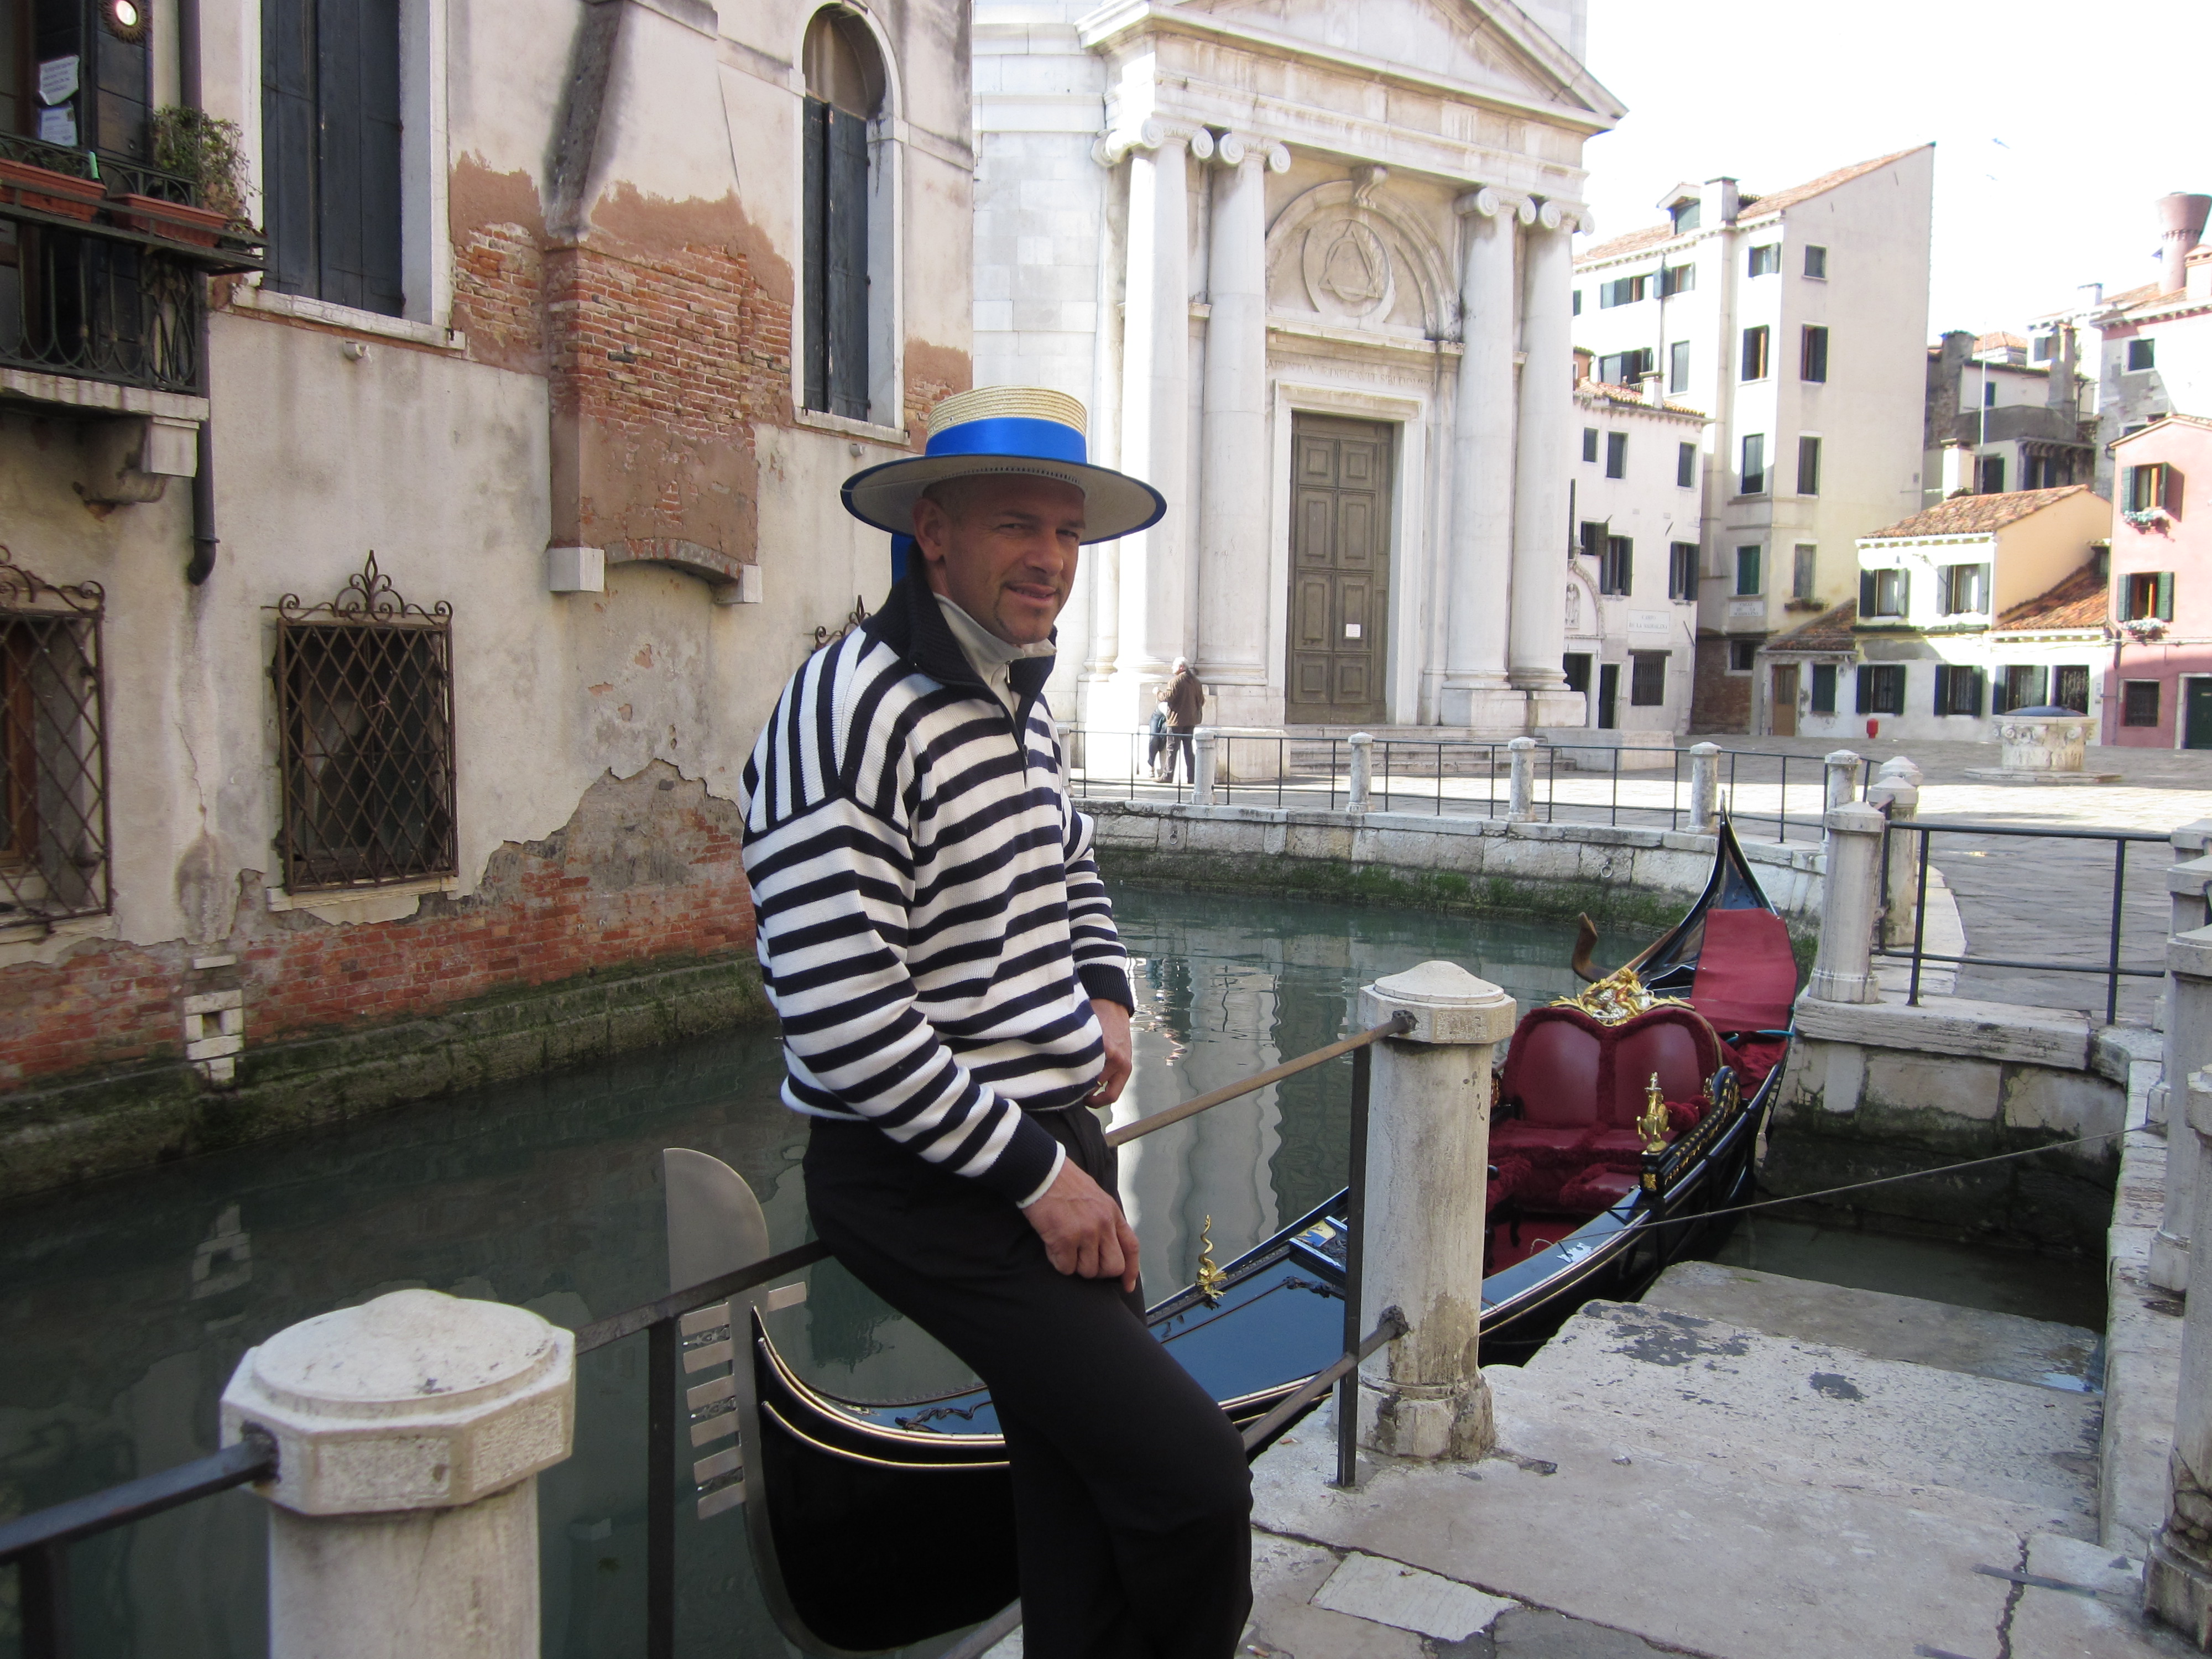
<point x="124" y="1307"/>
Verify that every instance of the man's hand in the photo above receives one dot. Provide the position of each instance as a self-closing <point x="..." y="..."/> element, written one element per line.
<point x="1114" y="1027"/>
<point x="1084" y="1230"/>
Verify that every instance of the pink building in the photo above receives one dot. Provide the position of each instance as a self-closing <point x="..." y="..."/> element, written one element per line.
<point x="2160" y="694"/>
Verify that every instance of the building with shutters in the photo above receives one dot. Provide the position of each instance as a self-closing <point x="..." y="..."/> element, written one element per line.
<point x="2161" y="587"/>
<point x="2006" y="412"/>
<point x="1631" y="631"/>
<point x="385" y="617"/>
<point x="1309" y="266"/>
<point x="1797" y="321"/>
<point x="1979" y="604"/>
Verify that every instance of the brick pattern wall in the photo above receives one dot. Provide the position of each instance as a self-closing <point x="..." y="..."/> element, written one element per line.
<point x="646" y="873"/>
<point x="1719" y="702"/>
<point x="498" y="294"/>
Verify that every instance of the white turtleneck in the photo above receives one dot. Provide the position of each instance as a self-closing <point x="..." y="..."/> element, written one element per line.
<point x="990" y="656"/>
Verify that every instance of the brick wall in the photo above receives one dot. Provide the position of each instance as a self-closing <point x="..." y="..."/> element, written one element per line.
<point x="1719" y="702"/>
<point x="645" y="872"/>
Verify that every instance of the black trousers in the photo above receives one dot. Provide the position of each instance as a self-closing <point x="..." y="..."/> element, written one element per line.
<point x="1180" y="741"/>
<point x="1132" y="1500"/>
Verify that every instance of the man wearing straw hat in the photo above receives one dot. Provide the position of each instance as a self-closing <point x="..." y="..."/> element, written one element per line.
<point x="936" y="939"/>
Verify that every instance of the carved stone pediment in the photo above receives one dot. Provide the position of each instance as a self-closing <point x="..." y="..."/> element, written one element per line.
<point x="1349" y="256"/>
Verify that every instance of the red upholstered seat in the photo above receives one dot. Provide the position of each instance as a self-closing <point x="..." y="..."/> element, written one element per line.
<point x="1747" y="973"/>
<point x="1598" y="1188"/>
<point x="1565" y="1068"/>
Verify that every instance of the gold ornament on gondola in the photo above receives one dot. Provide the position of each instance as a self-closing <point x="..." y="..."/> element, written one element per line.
<point x="1652" y="1125"/>
<point x="1618" y="996"/>
<point x="1211" y="1281"/>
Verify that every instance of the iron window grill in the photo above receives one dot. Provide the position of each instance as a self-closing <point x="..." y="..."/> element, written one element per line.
<point x="365" y="721"/>
<point x="53" y="749"/>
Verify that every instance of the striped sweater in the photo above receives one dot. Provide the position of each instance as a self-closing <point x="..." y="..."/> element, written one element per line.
<point x="931" y="925"/>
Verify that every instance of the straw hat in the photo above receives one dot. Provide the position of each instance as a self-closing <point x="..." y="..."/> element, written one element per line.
<point x="1006" y="428"/>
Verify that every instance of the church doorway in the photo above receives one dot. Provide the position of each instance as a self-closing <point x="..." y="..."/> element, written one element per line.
<point x="1340" y="570"/>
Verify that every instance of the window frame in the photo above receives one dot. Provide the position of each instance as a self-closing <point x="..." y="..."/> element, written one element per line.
<point x="2143" y="354"/>
<point x="1871" y="582"/>
<point x="1804" y="570"/>
<point x="1891" y="678"/>
<point x="1678" y="279"/>
<point x="1619" y="291"/>
<point x="1616" y="454"/>
<point x="1758" y="357"/>
<point x="1589" y="444"/>
<point x="1737" y="644"/>
<point x="52" y="674"/>
<point x="1616" y="568"/>
<point x="1686" y="466"/>
<point x="1816" y="263"/>
<point x="1765" y="259"/>
<point x="2131" y="712"/>
<point x="1752" y="481"/>
<point x="1809" y="464"/>
<point x="2146" y="596"/>
<point x="1751" y="559"/>
<point x="1822" y="688"/>
<point x="1813" y="354"/>
<point x="1678" y="367"/>
<point x="1974" y="576"/>
<point x="1959" y="691"/>
<point x="1647" y="670"/>
<point x="1682" y="570"/>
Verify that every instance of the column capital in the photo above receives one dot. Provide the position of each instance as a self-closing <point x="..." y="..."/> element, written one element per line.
<point x="1151" y="133"/>
<point x="1556" y="215"/>
<point x="1233" y="149"/>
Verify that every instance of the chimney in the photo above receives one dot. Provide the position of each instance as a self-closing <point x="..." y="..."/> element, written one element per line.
<point x="1655" y="390"/>
<point x="2092" y="295"/>
<point x="1958" y="474"/>
<point x="1721" y="196"/>
<point x="2180" y="228"/>
<point x="2061" y="394"/>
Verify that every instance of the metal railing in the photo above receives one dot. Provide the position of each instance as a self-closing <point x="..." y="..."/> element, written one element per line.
<point x="1459" y="777"/>
<point x="2109" y="969"/>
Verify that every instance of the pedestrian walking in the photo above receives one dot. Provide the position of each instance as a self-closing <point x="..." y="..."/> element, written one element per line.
<point x="1157" y="746"/>
<point x="936" y="939"/>
<point x="1186" y="701"/>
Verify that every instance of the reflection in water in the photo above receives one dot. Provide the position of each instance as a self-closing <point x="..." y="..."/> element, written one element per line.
<point x="124" y="1308"/>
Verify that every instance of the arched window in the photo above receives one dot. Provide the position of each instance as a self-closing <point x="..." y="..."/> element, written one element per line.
<point x="844" y="94"/>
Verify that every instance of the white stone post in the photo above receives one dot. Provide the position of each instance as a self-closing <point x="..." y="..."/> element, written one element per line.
<point x="1899" y="801"/>
<point x="1363" y="771"/>
<point x="1901" y="768"/>
<point x="1544" y="434"/>
<point x="1156" y="401"/>
<point x="1521" y="788"/>
<point x="1842" y="969"/>
<point x="1428" y="1160"/>
<point x="1476" y="692"/>
<point x="1704" y="788"/>
<point x="1232" y="497"/>
<point x="1202" y="772"/>
<point x="404" y="1517"/>
<point x="2178" y="1577"/>
<point x="1840" y="770"/>
<point x="2187" y="1045"/>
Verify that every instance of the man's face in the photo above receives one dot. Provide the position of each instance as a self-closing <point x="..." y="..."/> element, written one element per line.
<point x="1003" y="548"/>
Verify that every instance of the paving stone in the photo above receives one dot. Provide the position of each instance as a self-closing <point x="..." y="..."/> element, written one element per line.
<point x="1392" y="1593"/>
<point x="1531" y="1634"/>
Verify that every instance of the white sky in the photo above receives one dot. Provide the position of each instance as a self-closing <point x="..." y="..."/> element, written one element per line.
<point x="2055" y="126"/>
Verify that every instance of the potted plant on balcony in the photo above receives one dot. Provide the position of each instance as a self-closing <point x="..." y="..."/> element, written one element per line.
<point x="201" y="150"/>
<point x="48" y="178"/>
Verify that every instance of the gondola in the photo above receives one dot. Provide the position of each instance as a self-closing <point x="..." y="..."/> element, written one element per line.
<point x="1621" y="1118"/>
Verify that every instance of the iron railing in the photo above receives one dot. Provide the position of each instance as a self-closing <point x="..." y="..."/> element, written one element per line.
<point x="1463" y="777"/>
<point x="365" y="724"/>
<point x="1917" y="954"/>
<point x="53" y="749"/>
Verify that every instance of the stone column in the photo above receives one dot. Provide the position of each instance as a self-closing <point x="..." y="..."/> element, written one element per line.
<point x="1840" y="773"/>
<point x="1233" y="582"/>
<point x="1704" y="788"/>
<point x="2178" y="1577"/>
<point x="1154" y="567"/>
<point x="1363" y="771"/>
<point x="1842" y="970"/>
<point x="1428" y="1158"/>
<point x="1206" y="755"/>
<point x="1543" y="441"/>
<point x="1521" y="782"/>
<point x="1477" y="692"/>
<point x="2187" y="1043"/>
<point x="404" y="1517"/>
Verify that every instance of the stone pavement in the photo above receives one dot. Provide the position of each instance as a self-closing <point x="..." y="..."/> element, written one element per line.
<point x="1741" y="1468"/>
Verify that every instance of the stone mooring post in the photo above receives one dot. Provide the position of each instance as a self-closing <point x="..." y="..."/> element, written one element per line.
<point x="2187" y="1045"/>
<point x="1839" y="770"/>
<point x="1521" y="787"/>
<point x="410" y="1432"/>
<point x="1850" y="890"/>
<point x="1363" y="772"/>
<point x="1895" y="793"/>
<point x="1704" y="788"/>
<point x="1206" y="745"/>
<point x="1428" y="1165"/>
<point x="2178" y="1577"/>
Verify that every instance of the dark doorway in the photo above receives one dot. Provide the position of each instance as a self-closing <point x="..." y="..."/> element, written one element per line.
<point x="1608" y="696"/>
<point x="2196" y="717"/>
<point x="1339" y="569"/>
<point x="1575" y="664"/>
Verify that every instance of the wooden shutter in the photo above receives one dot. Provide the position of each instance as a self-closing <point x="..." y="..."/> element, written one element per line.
<point x="288" y="142"/>
<point x="2170" y="495"/>
<point x="1943" y="687"/>
<point x="1866" y="593"/>
<point x="357" y="80"/>
<point x="848" y="264"/>
<point x="2163" y="609"/>
<point x="816" y="233"/>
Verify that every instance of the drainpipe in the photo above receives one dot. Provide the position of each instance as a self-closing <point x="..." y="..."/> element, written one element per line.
<point x="201" y="566"/>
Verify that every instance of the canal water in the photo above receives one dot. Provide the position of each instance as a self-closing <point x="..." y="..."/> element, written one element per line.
<point x="124" y="1307"/>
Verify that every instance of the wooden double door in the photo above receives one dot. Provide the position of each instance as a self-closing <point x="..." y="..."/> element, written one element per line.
<point x="1340" y="571"/>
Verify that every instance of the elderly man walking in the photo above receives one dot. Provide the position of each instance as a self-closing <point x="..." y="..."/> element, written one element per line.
<point x="955" y="1001"/>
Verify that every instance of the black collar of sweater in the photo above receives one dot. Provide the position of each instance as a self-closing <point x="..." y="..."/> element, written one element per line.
<point x="913" y="624"/>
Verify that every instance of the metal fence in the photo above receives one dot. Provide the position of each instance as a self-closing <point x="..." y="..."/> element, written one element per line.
<point x="1572" y="783"/>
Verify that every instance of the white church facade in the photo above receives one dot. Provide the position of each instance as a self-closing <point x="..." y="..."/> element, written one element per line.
<point x="1309" y="265"/>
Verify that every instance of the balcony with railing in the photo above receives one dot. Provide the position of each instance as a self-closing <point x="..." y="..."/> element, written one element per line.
<point x="101" y="269"/>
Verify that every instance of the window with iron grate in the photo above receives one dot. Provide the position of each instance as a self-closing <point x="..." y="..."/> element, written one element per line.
<point x="365" y="719"/>
<point x="53" y="750"/>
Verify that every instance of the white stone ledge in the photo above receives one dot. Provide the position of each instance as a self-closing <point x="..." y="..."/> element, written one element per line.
<point x="2002" y="1031"/>
<point x="73" y="394"/>
<point x="298" y="308"/>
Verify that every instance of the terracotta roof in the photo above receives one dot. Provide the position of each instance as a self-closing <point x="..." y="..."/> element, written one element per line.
<point x="1630" y="398"/>
<point x="2077" y="602"/>
<point x="1968" y="515"/>
<point x="2144" y="431"/>
<point x="1747" y="206"/>
<point x="1999" y="341"/>
<point x="1829" y="631"/>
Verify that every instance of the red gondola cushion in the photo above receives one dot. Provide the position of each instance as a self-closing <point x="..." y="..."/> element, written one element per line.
<point x="1565" y="1068"/>
<point x="1598" y="1188"/>
<point x="1747" y="973"/>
